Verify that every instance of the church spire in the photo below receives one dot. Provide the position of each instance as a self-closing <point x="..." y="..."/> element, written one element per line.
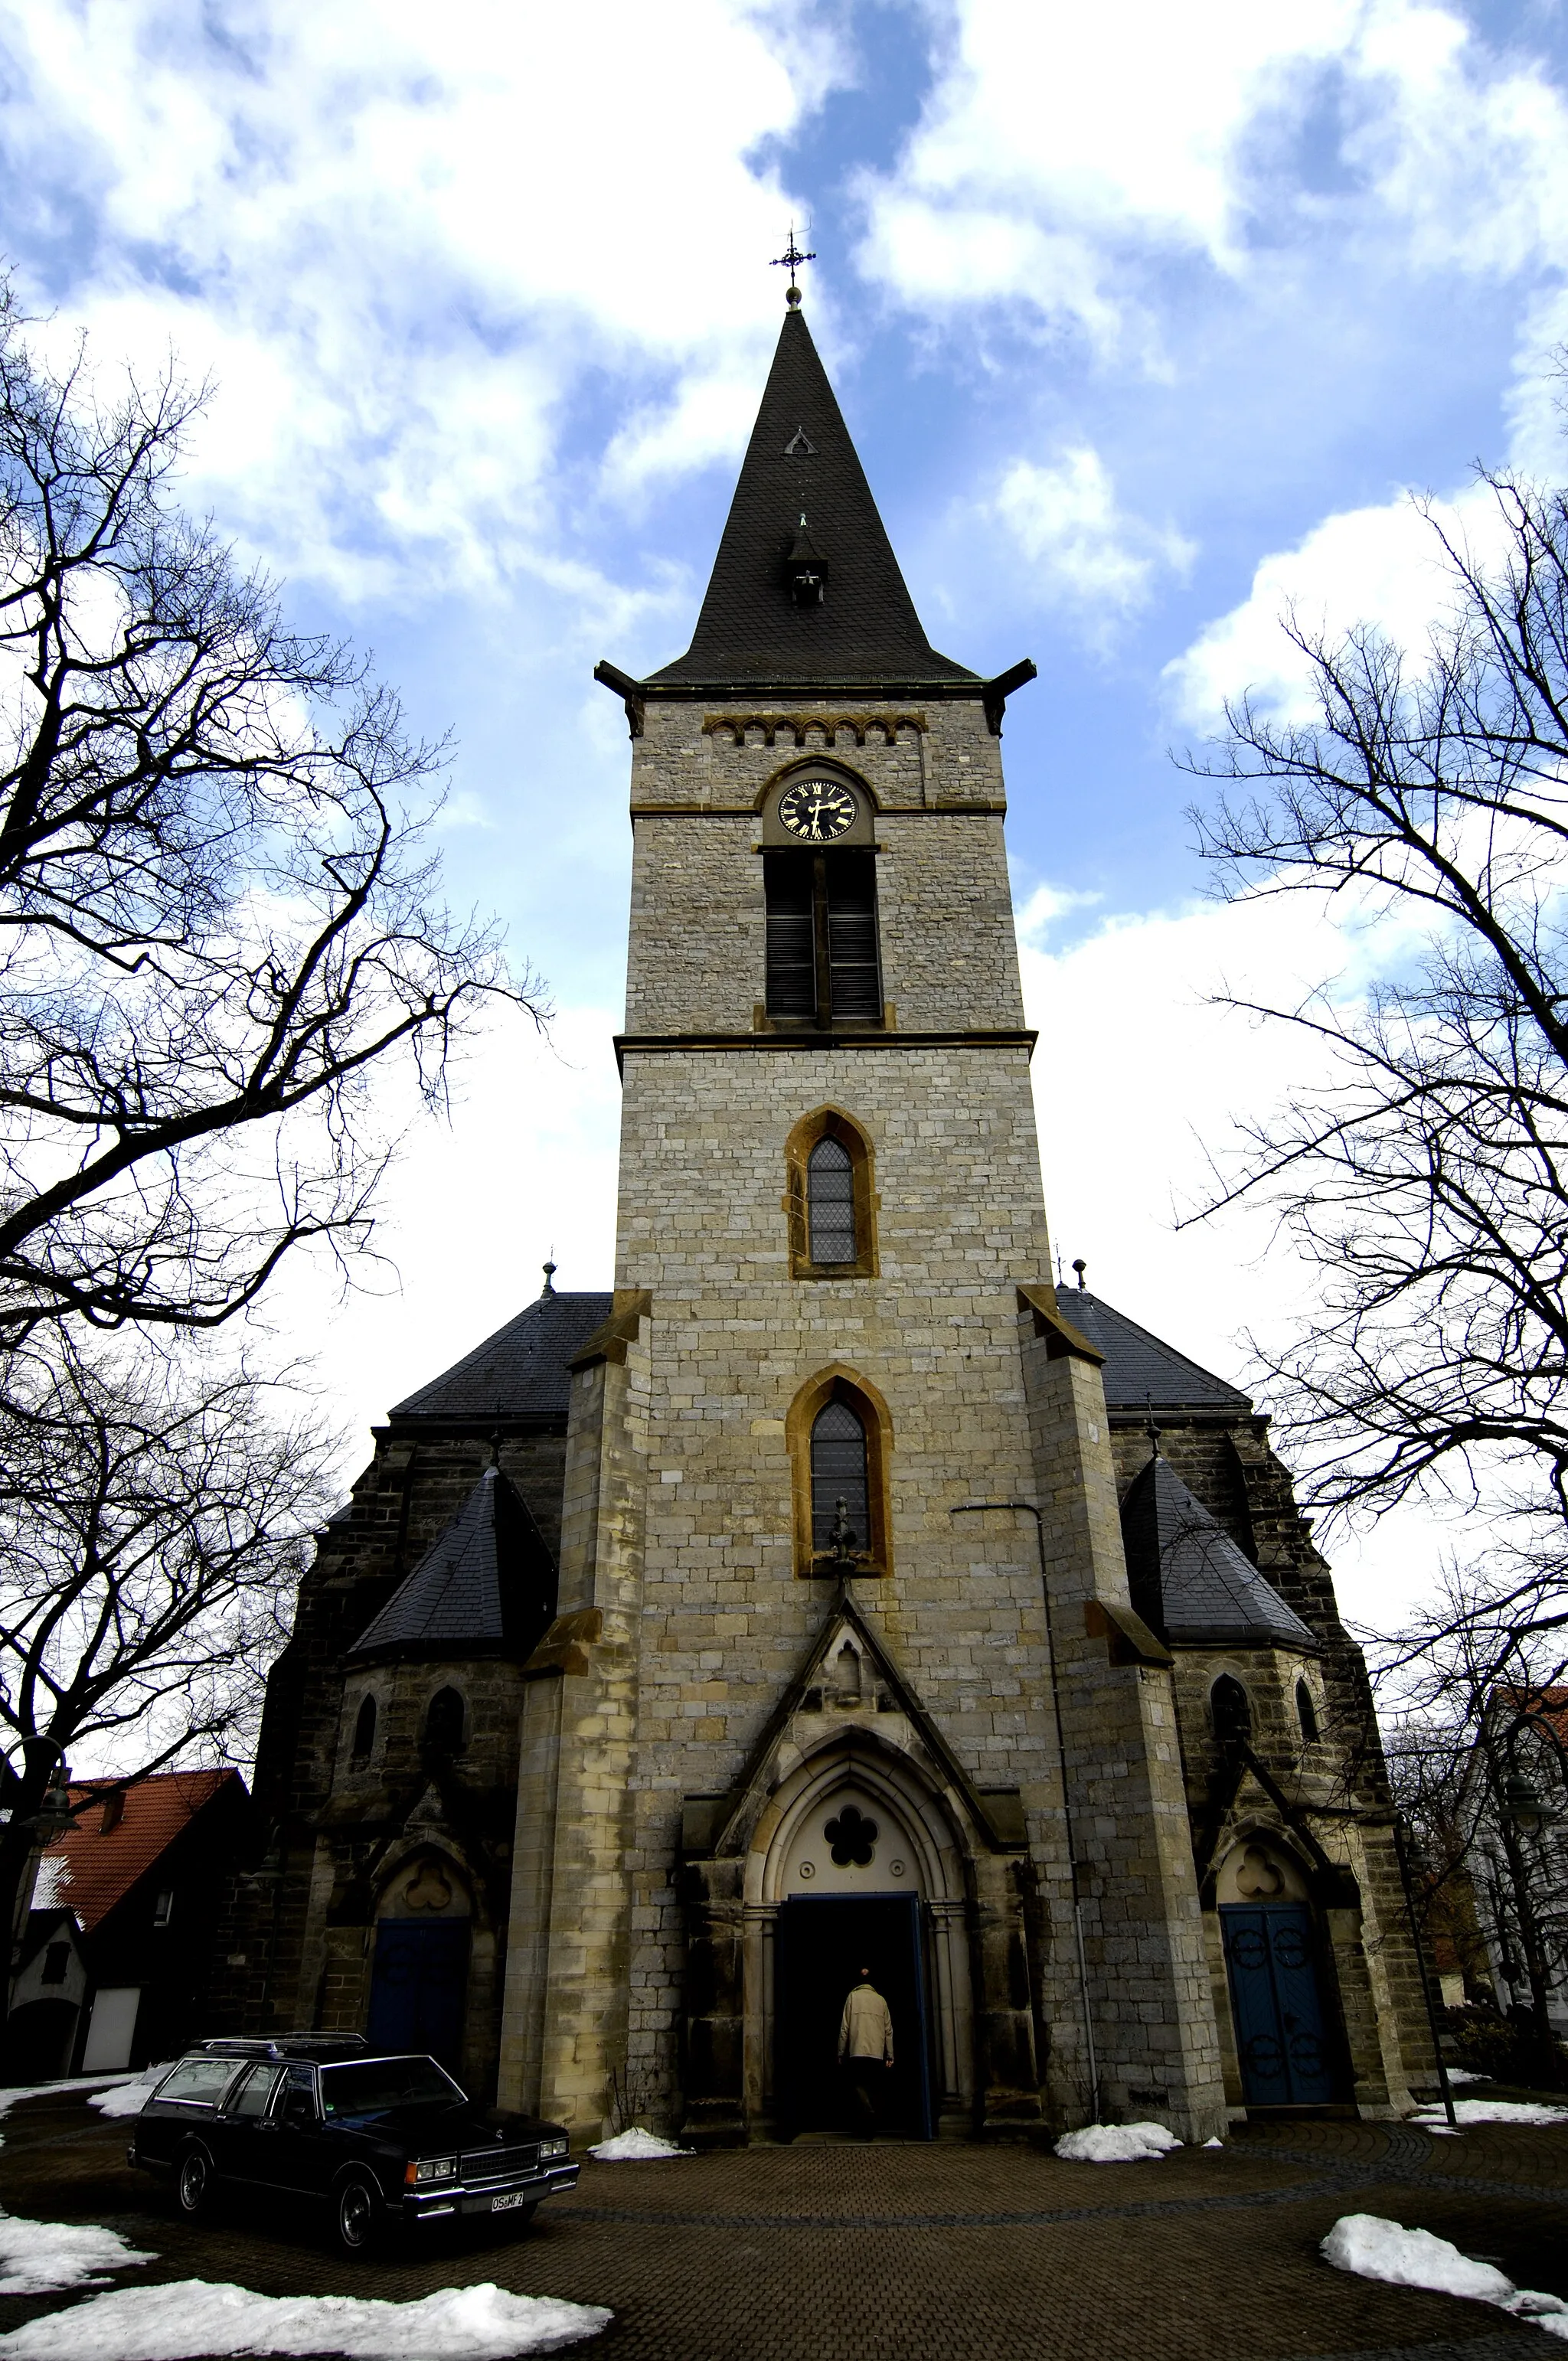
<point x="787" y="607"/>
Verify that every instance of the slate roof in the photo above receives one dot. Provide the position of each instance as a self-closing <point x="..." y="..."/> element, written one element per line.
<point x="801" y="461"/>
<point x="90" y="1868"/>
<point x="1139" y="1366"/>
<point x="522" y="1371"/>
<point x="1188" y="1578"/>
<point x="483" y="1588"/>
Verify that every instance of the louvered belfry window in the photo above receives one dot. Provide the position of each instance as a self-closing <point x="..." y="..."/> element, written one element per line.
<point x="831" y="1202"/>
<point x="852" y="934"/>
<point x="823" y="960"/>
<point x="791" y="933"/>
<point x="838" y="1473"/>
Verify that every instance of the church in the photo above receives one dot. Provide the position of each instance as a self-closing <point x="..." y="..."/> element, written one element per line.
<point x="838" y="1593"/>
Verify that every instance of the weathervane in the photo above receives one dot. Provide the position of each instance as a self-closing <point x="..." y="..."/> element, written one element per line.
<point x="790" y="261"/>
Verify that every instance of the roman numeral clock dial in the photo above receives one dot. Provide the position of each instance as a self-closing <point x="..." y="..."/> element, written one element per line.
<point x="816" y="810"/>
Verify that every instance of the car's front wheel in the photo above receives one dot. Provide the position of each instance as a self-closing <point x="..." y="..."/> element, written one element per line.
<point x="193" y="2183"/>
<point x="358" y="2215"/>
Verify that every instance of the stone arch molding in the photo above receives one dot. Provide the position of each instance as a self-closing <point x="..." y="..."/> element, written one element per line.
<point x="860" y="1765"/>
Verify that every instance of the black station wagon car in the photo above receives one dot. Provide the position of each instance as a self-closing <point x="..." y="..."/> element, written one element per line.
<point x="375" y="2140"/>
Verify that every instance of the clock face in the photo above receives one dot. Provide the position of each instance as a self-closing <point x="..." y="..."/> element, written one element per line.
<point x="817" y="809"/>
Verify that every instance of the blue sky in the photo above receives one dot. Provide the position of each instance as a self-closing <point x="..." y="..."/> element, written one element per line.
<point x="1145" y="320"/>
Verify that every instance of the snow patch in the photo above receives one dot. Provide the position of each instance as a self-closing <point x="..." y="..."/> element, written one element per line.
<point x="38" y="2257"/>
<point x="130" y="2097"/>
<point x="1375" y="2249"/>
<point x="636" y="2146"/>
<point x="1116" y="2143"/>
<point x="194" y="2318"/>
<point x="1494" y="2111"/>
<point x="12" y="2093"/>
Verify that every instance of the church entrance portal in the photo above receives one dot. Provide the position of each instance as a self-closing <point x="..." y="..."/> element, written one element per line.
<point x="822" y="1944"/>
<point x="1282" y="2041"/>
<point x="417" y="1986"/>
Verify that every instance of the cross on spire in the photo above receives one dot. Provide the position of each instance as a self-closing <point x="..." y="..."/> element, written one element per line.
<point x="791" y="259"/>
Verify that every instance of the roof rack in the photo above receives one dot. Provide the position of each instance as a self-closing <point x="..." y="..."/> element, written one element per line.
<point x="284" y="2045"/>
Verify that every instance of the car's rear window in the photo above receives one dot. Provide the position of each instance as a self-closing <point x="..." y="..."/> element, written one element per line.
<point x="381" y="2083"/>
<point x="200" y="2081"/>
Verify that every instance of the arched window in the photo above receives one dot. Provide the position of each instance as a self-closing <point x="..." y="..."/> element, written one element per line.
<point x="838" y="1473"/>
<point x="1306" y="1714"/>
<point x="365" y="1728"/>
<point x="831" y="1202"/>
<point x="830" y="1197"/>
<point x="1229" y="1711"/>
<point x="443" y="1722"/>
<point x="839" y="1441"/>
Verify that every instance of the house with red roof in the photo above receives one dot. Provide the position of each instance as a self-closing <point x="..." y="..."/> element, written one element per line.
<point x="117" y="1956"/>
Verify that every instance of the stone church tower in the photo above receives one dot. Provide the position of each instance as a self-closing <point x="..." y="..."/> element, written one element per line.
<point x="785" y="1595"/>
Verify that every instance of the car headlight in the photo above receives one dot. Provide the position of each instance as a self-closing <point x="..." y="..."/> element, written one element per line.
<point x="431" y="2167"/>
<point x="554" y="2147"/>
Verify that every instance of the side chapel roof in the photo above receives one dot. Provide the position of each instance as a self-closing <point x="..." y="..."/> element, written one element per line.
<point x="801" y="468"/>
<point x="482" y="1587"/>
<point x="1141" y="1372"/>
<point x="522" y="1371"/>
<point x="1190" y="1579"/>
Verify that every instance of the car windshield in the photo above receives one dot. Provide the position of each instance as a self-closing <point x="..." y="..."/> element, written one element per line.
<point x="382" y="2083"/>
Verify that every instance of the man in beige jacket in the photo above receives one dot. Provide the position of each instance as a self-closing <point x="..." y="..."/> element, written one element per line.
<point x="865" y="2046"/>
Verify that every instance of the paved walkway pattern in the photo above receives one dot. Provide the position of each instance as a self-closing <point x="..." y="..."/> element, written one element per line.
<point x="904" y="2253"/>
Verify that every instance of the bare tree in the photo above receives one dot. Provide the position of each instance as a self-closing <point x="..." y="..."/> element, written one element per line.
<point x="220" y="919"/>
<point x="1427" y="1177"/>
<point x="154" y="1514"/>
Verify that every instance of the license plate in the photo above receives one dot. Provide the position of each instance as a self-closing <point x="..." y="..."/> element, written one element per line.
<point x="509" y="2200"/>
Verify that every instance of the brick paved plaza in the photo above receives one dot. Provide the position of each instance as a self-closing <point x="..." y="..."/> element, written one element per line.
<point x="905" y="2253"/>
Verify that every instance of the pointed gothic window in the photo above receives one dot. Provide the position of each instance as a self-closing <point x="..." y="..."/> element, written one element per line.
<point x="1306" y="1714"/>
<point x="831" y="1202"/>
<point x="443" y="1722"/>
<point x="838" y="1473"/>
<point x="365" y="1729"/>
<point x="1231" y="1713"/>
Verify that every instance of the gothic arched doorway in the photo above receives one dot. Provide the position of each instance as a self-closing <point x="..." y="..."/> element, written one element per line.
<point x="1286" y="2045"/>
<point x="853" y="1867"/>
<point x="419" y="1976"/>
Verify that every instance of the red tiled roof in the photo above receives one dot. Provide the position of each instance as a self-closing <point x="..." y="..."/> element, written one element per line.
<point x="1548" y="1705"/>
<point x="89" y="1869"/>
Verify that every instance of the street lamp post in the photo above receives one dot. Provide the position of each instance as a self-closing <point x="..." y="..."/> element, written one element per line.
<point x="1028" y="1508"/>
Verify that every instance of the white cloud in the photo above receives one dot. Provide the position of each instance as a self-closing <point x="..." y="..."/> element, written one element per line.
<point x="1091" y="553"/>
<point x="1382" y="566"/>
<point x="1140" y="1083"/>
<point x="1065" y="147"/>
<point x="406" y="244"/>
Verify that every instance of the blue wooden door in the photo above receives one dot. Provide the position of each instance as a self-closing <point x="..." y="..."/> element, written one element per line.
<point x="1282" y="2040"/>
<point x="418" y="1986"/>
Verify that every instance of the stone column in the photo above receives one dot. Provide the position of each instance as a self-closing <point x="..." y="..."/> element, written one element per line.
<point x="563" y="2033"/>
<point x="1149" y="1993"/>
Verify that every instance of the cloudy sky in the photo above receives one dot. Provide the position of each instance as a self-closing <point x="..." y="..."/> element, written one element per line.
<point x="1145" y="320"/>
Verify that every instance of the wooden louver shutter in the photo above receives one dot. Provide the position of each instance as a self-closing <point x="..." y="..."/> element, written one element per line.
<point x="852" y="935"/>
<point x="792" y="934"/>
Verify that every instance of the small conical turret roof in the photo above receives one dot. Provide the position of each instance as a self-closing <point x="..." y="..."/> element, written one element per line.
<point x="485" y="1587"/>
<point x="752" y="631"/>
<point x="1188" y="1578"/>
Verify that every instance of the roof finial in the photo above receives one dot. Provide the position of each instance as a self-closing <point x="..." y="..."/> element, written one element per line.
<point x="790" y="261"/>
<point x="549" y="1286"/>
<point x="1081" y="1267"/>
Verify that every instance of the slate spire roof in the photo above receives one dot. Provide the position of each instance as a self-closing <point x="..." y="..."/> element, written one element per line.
<point x="522" y="1371"/>
<point x="1143" y="1372"/>
<point x="1188" y="1578"/>
<point x="485" y="1587"/>
<point x="750" y="631"/>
